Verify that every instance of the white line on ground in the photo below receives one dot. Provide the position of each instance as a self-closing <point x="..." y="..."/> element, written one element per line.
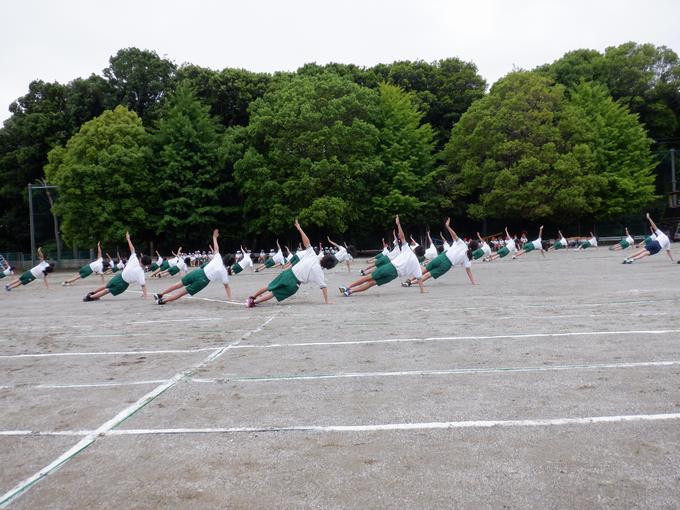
<point x="453" y="338"/>
<point x="106" y="353"/>
<point x="81" y="385"/>
<point x="539" y="422"/>
<point x="453" y="371"/>
<point x="90" y="438"/>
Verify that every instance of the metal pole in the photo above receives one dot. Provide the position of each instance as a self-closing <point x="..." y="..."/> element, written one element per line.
<point x="673" y="181"/>
<point x="32" y="228"/>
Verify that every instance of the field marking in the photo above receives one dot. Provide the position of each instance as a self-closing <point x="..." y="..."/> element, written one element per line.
<point x="123" y="415"/>
<point x="453" y="338"/>
<point x="80" y="385"/>
<point x="452" y="371"/>
<point x="385" y="427"/>
<point x="106" y="353"/>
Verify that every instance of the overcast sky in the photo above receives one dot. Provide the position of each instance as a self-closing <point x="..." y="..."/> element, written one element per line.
<point x="65" y="39"/>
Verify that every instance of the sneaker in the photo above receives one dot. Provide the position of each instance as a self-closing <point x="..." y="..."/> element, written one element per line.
<point x="160" y="301"/>
<point x="406" y="283"/>
<point x="361" y="272"/>
<point x="347" y="292"/>
<point x="64" y="284"/>
<point x="342" y="290"/>
<point x="250" y="302"/>
<point x="7" y="288"/>
<point x="88" y="298"/>
<point x="514" y="257"/>
<point x="157" y="297"/>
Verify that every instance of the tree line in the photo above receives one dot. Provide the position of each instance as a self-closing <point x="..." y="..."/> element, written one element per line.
<point x="170" y="151"/>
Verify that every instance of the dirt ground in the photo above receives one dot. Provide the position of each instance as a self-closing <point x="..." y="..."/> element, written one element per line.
<point x="554" y="383"/>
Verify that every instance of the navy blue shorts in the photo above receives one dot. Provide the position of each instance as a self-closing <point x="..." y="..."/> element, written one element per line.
<point x="653" y="247"/>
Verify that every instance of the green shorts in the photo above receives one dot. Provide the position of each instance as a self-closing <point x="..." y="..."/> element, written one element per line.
<point x="173" y="270"/>
<point x="478" y="253"/>
<point x="624" y="244"/>
<point x="26" y="278"/>
<point x="165" y="265"/>
<point x="439" y="265"/>
<point x="195" y="281"/>
<point x="294" y="260"/>
<point x="117" y="285"/>
<point x="503" y="251"/>
<point x="527" y="247"/>
<point x="384" y="274"/>
<point x="558" y="245"/>
<point x="85" y="271"/>
<point x="114" y="269"/>
<point x="586" y="245"/>
<point x="269" y="263"/>
<point x="421" y="259"/>
<point x="236" y="268"/>
<point x="381" y="260"/>
<point x="648" y="239"/>
<point x="153" y="267"/>
<point x="284" y="285"/>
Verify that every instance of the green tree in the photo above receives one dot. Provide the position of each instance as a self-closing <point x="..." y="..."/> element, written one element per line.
<point x="406" y="150"/>
<point x="140" y="79"/>
<point x="194" y="191"/>
<point x="529" y="151"/>
<point x="103" y="179"/>
<point x="311" y="153"/>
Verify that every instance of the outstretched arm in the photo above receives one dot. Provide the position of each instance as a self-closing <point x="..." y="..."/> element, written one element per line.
<point x="278" y="245"/>
<point x="627" y="234"/>
<point x="429" y="237"/>
<point x="540" y="232"/>
<point x="305" y="239"/>
<point x="216" y="247"/>
<point x="334" y="244"/>
<point x="400" y="231"/>
<point x="447" y="224"/>
<point x="40" y="254"/>
<point x="129" y="241"/>
<point x="481" y="239"/>
<point x="441" y="234"/>
<point x="507" y="235"/>
<point x="99" y="249"/>
<point x="651" y="222"/>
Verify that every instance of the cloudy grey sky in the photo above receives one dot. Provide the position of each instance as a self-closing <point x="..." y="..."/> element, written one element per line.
<point x="65" y="39"/>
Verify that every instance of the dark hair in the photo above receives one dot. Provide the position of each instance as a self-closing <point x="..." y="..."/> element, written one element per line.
<point x="440" y="248"/>
<point x="328" y="261"/>
<point x="351" y="249"/>
<point x="146" y="260"/>
<point x="49" y="268"/>
<point x="187" y="260"/>
<point x="123" y="260"/>
<point x="472" y="246"/>
<point x="105" y="265"/>
<point x="420" y="251"/>
<point x="11" y="268"/>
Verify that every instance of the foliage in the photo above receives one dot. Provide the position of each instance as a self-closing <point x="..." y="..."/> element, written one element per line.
<point x="103" y="179"/>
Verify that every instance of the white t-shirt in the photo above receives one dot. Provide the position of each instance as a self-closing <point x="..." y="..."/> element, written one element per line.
<point x="593" y="241"/>
<point x="564" y="242"/>
<point x="120" y="265"/>
<point x="486" y="248"/>
<point x="457" y="255"/>
<point x="7" y="272"/>
<point x="133" y="272"/>
<point x="278" y="258"/>
<point x="630" y="240"/>
<point x="395" y="252"/>
<point x="309" y="270"/>
<point x="341" y="255"/>
<point x="431" y="252"/>
<point x="37" y="271"/>
<point x="97" y="266"/>
<point x="406" y="263"/>
<point x="446" y="245"/>
<point x="216" y="272"/>
<point x="663" y="240"/>
<point x="160" y="260"/>
<point x="385" y="251"/>
<point x="247" y="261"/>
<point x="538" y="244"/>
<point x="510" y="245"/>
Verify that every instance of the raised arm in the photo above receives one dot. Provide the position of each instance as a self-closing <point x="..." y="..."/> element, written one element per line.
<point x="243" y="250"/>
<point x="429" y="237"/>
<point x="99" y="249"/>
<point x="507" y="235"/>
<point x="131" y="247"/>
<point x="40" y="254"/>
<point x="334" y="244"/>
<point x="540" y="232"/>
<point x="447" y="224"/>
<point x="481" y="239"/>
<point x="441" y="234"/>
<point x="627" y="234"/>
<point x="278" y="245"/>
<point x="651" y="223"/>
<point x="305" y="239"/>
<point x="400" y="231"/>
<point x="216" y="247"/>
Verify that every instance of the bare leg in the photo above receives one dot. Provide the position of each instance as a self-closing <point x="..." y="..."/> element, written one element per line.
<point x="72" y="280"/>
<point x="261" y="297"/>
<point x="100" y="292"/>
<point x="259" y="292"/>
<point x="172" y="288"/>
<point x="364" y="286"/>
<point x="167" y="299"/>
<point x="360" y="281"/>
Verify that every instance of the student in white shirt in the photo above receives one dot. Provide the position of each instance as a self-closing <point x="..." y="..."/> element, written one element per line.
<point x="177" y="264"/>
<point x="657" y="242"/>
<point x="405" y="265"/>
<point x="132" y="273"/>
<point x="379" y="259"/>
<point x="431" y="252"/>
<point x="483" y="250"/>
<point x="344" y="254"/>
<point x="536" y="244"/>
<point x="38" y="272"/>
<point x="307" y="270"/>
<point x="97" y="266"/>
<point x="560" y="244"/>
<point x="6" y="270"/>
<point x="624" y="243"/>
<point x="244" y="263"/>
<point x="510" y="247"/>
<point x="275" y="259"/>
<point x="592" y="242"/>
<point x="198" y="279"/>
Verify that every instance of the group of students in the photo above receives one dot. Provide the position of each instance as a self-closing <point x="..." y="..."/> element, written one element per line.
<point x="408" y="261"/>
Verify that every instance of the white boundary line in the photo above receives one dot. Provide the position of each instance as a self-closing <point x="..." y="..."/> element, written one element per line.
<point x="82" y="385"/>
<point x="105" y="353"/>
<point x="453" y="371"/>
<point x="91" y="437"/>
<point x="453" y="338"/>
<point x="539" y="422"/>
